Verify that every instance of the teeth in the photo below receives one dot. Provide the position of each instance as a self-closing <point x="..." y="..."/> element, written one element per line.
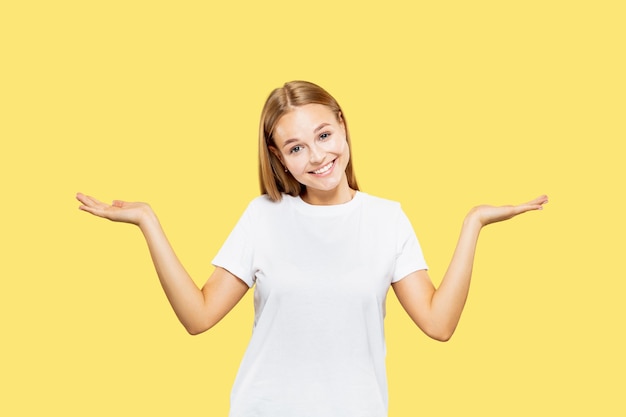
<point x="323" y="169"/>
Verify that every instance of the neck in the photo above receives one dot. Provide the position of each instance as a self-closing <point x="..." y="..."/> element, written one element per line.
<point x="339" y="195"/>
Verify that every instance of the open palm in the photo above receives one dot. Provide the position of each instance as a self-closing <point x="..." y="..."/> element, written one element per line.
<point x="491" y="214"/>
<point x="118" y="211"/>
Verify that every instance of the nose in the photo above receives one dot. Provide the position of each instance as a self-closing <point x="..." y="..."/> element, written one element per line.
<point x="315" y="155"/>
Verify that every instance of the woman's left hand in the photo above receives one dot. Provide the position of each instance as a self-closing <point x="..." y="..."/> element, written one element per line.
<point x="491" y="214"/>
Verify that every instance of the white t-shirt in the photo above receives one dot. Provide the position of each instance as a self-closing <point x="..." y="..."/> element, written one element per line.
<point x="322" y="274"/>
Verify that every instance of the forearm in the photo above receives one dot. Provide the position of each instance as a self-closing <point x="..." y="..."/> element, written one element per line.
<point x="449" y="299"/>
<point x="437" y="311"/>
<point x="183" y="294"/>
<point x="198" y="310"/>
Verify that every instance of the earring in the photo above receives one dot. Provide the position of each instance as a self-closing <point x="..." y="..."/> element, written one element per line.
<point x="286" y="170"/>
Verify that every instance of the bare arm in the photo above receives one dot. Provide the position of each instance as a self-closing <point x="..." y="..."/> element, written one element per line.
<point x="437" y="311"/>
<point x="198" y="310"/>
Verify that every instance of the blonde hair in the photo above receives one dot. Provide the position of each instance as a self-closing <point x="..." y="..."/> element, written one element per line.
<point x="273" y="178"/>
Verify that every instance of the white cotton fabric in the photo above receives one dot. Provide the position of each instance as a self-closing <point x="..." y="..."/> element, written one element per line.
<point x="322" y="274"/>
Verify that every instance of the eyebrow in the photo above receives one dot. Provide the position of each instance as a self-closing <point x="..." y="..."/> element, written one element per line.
<point x="317" y="129"/>
<point x="320" y="127"/>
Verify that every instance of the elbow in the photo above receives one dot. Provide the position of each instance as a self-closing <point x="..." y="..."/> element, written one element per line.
<point x="441" y="337"/>
<point x="195" y="329"/>
<point x="440" y="334"/>
<point x="199" y="322"/>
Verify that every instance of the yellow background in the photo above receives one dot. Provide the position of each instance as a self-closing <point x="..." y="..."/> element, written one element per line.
<point x="450" y="104"/>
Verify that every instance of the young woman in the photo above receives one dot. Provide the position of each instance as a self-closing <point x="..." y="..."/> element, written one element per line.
<point x="322" y="255"/>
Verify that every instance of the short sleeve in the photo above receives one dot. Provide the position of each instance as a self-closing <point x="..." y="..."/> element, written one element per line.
<point x="409" y="252"/>
<point x="237" y="253"/>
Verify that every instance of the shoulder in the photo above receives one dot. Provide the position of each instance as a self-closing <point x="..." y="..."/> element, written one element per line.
<point x="381" y="205"/>
<point x="261" y="201"/>
<point x="264" y="205"/>
<point x="381" y="212"/>
<point x="386" y="218"/>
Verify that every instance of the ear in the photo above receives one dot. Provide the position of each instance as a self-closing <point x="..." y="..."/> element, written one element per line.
<point x="341" y="123"/>
<point x="277" y="154"/>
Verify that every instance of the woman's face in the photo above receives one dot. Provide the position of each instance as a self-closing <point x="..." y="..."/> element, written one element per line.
<point x="311" y="144"/>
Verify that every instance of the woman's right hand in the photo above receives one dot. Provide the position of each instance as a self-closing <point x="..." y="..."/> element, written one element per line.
<point x="198" y="310"/>
<point x="118" y="211"/>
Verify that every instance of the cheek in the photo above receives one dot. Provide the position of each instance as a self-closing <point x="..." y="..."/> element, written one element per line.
<point x="336" y="145"/>
<point x="295" y="164"/>
<point x="343" y="148"/>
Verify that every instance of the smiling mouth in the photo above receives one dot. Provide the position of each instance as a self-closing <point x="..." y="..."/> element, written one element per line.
<point x="325" y="168"/>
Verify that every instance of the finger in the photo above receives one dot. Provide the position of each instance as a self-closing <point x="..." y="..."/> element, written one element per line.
<point x="92" y="205"/>
<point x="86" y="208"/>
<point x="81" y="197"/>
<point x="86" y="201"/>
<point x="542" y="199"/>
<point x="536" y="204"/>
<point x="89" y="200"/>
<point x="93" y="210"/>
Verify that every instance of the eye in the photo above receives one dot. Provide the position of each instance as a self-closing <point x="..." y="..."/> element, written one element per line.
<point x="324" y="136"/>
<point x="296" y="149"/>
